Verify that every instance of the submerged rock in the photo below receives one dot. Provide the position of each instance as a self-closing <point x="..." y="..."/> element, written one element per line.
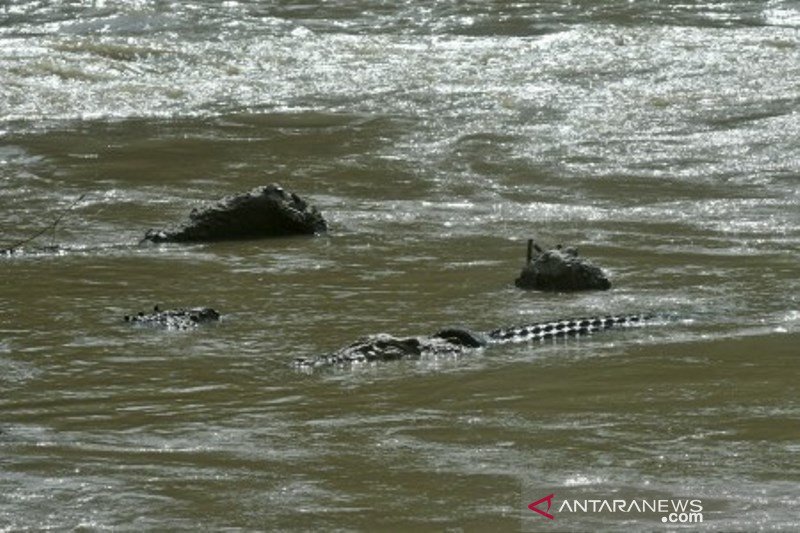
<point x="174" y="318"/>
<point x="267" y="211"/>
<point x="561" y="270"/>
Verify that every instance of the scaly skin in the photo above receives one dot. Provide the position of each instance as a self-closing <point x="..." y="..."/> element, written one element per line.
<point x="174" y="318"/>
<point x="454" y="341"/>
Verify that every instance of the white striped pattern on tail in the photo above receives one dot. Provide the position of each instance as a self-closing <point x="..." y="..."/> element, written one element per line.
<point x="564" y="328"/>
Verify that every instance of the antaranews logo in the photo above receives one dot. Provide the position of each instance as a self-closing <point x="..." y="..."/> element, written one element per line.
<point x="549" y="499"/>
<point x="673" y="511"/>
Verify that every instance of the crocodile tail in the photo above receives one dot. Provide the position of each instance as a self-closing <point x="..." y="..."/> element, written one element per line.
<point x="565" y="328"/>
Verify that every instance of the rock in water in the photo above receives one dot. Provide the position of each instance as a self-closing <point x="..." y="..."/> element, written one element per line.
<point x="562" y="270"/>
<point x="267" y="211"/>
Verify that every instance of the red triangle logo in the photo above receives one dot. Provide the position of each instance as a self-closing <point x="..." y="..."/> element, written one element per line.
<point x="549" y="500"/>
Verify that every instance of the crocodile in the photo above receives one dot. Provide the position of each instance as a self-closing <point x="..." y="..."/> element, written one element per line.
<point x="458" y="340"/>
<point x="179" y="319"/>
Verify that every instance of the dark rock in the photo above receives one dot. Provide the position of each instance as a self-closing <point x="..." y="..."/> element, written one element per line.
<point x="175" y="318"/>
<point x="267" y="211"/>
<point x="562" y="270"/>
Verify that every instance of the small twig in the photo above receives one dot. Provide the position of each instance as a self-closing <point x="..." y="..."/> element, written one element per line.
<point x="44" y="230"/>
<point x="531" y="247"/>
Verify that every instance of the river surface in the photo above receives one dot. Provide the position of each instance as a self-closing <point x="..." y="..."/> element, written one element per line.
<point x="660" y="137"/>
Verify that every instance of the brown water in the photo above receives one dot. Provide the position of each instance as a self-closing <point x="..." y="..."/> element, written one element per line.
<point x="108" y="426"/>
<point x="660" y="139"/>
